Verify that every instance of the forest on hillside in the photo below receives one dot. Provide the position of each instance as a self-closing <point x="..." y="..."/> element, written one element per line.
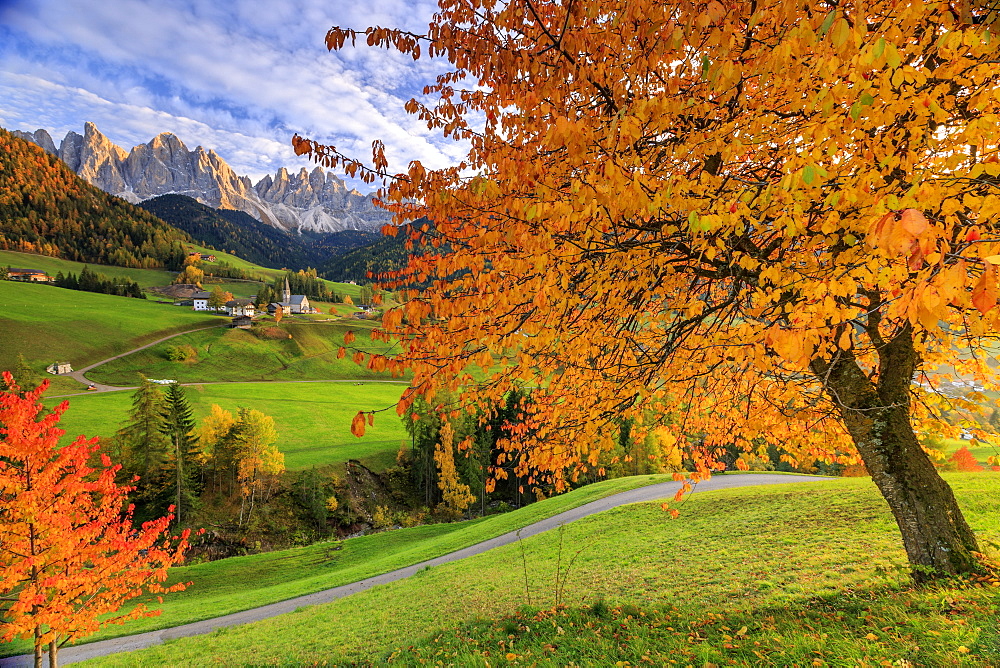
<point x="45" y="208"/>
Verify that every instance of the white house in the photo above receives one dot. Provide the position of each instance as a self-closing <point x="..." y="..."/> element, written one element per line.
<point x="236" y="307"/>
<point x="200" y="300"/>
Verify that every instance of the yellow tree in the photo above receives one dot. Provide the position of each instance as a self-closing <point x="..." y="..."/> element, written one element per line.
<point x="258" y="460"/>
<point x="764" y="220"/>
<point x="456" y="496"/>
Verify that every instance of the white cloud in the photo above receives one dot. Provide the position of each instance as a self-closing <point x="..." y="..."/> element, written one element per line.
<point x="240" y="77"/>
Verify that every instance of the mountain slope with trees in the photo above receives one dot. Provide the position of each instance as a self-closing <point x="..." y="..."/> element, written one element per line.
<point x="384" y="254"/>
<point x="46" y="208"/>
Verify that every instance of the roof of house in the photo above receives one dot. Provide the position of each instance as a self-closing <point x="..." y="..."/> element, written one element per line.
<point x="16" y="270"/>
<point x="239" y="302"/>
<point x="297" y="299"/>
<point x="201" y="295"/>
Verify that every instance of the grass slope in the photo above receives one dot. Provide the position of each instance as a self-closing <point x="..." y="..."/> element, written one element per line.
<point x="741" y="554"/>
<point x="234" y="355"/>
<point x="312" y="419"/>
<point x="240" y="583"/>
<point x="147" y="278"/>
<point x="48" y="324"/>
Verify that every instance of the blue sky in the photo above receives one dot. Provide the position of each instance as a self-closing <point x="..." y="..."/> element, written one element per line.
<point x="239" y="76"/>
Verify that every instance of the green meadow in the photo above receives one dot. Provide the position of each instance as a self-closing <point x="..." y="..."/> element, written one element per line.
<point x="296" y="350"/>
<point x="799" y="574"/>
<point x="148" y="278"/>
<point x="48" y="324"/>
<point x="312" y="419"/>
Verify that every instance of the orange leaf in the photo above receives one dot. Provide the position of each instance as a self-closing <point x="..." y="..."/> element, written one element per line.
<point x="358" y="425"/>
<point x="349" y="338"/>
<point x="371" y="419"/>
<point x="914" y="222"/>
<point x="984" y="293"/>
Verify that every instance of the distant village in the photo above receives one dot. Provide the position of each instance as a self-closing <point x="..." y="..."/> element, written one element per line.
<point x="242" y="311"/>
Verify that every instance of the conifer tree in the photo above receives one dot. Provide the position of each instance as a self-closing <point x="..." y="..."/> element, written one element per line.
<point x="143" y="445"/>
<point x="178" y="426"/>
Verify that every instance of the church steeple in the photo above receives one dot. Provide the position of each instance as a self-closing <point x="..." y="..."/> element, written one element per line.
<point x="286" y="294"/>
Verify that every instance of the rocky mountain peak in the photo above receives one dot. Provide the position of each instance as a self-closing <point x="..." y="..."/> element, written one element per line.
<point x="40" y="137"/>
<point x="308" y="200"/>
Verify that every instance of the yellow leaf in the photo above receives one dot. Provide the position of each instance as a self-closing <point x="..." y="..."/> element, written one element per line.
<point x="992" y="259"/>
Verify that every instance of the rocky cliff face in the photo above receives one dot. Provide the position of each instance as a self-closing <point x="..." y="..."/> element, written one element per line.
<point x="317" y="200"/>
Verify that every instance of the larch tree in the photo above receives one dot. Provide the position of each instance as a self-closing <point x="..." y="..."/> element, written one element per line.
<point x="218" y="298"/>
<point x="748" y="221"/>
<point x="456" y="496"/>
<point x="258" y="460"/>
<point x="70" y="554"/>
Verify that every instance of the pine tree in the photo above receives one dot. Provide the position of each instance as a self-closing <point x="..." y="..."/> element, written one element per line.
<point x="178" y="426"/>
<point x="144" y="447"/>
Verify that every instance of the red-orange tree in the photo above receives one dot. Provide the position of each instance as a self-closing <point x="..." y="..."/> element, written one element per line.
<point x="751" y="221"/>
<point x="70" y="556"/>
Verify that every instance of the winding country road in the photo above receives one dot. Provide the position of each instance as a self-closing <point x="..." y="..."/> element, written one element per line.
<point x="80" y="376"/>
<point x="642" y="494"/>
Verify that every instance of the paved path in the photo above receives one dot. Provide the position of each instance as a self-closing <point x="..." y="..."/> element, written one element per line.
<point x="72" y="653"/>
<point x="80" y="377"/>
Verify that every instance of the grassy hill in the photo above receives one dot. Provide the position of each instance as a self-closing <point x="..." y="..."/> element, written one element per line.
<point x="312" y="419"/>
<point x="813" y="572"/>
<point x="48" y="324"/>
<point x="146" y="278"/>
<point x="240" y="583"/>
<point x="296" y="350"/>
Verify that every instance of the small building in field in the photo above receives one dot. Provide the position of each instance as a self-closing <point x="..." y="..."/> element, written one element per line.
<point x="28" y="275"/>
<point x="59" y="368"/>
<point x="242" y="322"/>
<point x="237" y="307"/>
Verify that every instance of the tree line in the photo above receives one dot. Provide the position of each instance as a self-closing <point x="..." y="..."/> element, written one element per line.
<point x="92" y="281"/>
<point x="181" y="464"/>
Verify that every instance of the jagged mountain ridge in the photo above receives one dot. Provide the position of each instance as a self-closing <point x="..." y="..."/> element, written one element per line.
<point x="250" y="239"/>
<point x="315" y="201"/>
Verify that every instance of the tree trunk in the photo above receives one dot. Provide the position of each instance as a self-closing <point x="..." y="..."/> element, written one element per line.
<point x="38" y="647"/>
<point x="53" y="654"/>
<point x="937" y="539"/>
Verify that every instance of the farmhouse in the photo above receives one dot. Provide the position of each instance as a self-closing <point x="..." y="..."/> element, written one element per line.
<point x="238" y="307"/>
<point x="242" y="322"/>
<point x="28" y="275"/>
<point x="59" y="368"/>
<point x="200" y="300"/>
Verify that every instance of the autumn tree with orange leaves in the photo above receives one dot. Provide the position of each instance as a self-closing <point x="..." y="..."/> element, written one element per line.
<point x="70" y="556"/>
<point x="747" y="221"/>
